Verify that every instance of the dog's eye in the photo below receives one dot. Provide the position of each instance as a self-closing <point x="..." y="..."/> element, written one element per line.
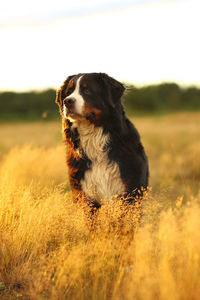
<point x="86" y="91"/>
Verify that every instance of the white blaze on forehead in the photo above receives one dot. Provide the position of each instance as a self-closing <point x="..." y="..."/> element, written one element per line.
<point x="79" y="101"/>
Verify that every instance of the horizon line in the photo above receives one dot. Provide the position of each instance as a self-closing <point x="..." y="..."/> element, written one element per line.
<point x="127" y="83"/>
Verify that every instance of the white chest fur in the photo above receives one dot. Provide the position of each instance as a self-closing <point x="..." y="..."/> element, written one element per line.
<point x="102" y="180"/>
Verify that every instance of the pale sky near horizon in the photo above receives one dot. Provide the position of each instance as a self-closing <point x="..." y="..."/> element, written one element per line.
<point x="137" y="41"/>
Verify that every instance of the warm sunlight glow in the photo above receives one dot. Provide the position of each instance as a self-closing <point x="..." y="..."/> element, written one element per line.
<point x="143" y="43"/>
<point x="47" y="251"/>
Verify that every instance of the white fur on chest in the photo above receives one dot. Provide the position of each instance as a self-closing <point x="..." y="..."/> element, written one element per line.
<point x="102" y="180"/>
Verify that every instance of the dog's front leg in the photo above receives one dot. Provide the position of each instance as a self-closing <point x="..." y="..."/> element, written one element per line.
<point x="89" y="205"/>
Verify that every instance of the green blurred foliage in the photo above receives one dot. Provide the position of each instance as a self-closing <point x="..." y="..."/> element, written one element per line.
<point x="163" y="98"/>
<point x="166" y="97"/>
<point x="28" y="106"/>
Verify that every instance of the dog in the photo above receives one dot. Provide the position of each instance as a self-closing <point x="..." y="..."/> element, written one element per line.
<point x="105" y="156"/>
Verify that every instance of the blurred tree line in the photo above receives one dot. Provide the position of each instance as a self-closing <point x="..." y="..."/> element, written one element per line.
<point x="28" y="106"/>
<point x="166" y="97"/>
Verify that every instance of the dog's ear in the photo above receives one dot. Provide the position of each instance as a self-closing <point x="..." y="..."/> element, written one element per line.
<point x="116" y="88"/>
<point x="60" y="91"/>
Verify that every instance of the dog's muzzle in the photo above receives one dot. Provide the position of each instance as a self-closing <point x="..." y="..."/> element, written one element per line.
<point x="69" y="103"/>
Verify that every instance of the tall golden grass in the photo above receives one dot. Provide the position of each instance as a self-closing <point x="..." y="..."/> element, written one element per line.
<point x="47" y="250"/>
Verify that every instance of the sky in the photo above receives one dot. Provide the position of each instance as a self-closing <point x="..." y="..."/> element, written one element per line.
<point x="135" y="41"/>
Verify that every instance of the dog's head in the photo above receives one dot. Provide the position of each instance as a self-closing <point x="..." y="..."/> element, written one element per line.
<point x="90" y="96"/>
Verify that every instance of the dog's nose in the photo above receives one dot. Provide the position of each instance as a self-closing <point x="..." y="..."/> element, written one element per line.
<point x="69" y="101"/>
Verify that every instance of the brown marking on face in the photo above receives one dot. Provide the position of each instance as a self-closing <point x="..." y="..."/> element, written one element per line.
<point x="93" y="114"/>
<point x="71" y="84"/>
<point x="84" y="84"/>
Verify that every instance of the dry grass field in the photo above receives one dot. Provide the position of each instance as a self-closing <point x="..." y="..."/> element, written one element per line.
<point x="47" y="250"/>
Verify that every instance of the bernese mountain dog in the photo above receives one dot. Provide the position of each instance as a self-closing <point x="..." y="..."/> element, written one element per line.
<point x="105" y="156"/>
